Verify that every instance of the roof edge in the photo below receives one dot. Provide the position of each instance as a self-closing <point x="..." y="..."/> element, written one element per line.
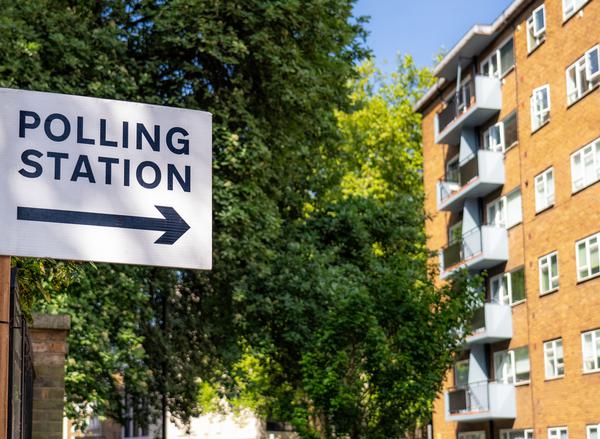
<point x="477" y="30"/>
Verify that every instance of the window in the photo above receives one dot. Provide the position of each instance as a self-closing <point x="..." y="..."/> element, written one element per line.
<point x="536" y="28"/>
<point x="493" y="138"/>
<point x="572" y="6"/>
<point x="512" y="367"/>
<point x="558" y="433"/>
<point x="510" y="129"/>
<point x="588" y="261"/>
<point x="583" y="75"/>
<point x="544" y="190"/>
<point x="500" y="61"/>
<point x="593" y="431"/>
<point x="516" y="434"/>
<point x="508" y="288"/>
<point x="505" y="211"/>
<point x="455" y="233"/>
<point x="501" y="135"/>
<point x="548" y="266"/>
<point x="585" y="165"/>
<point x="453" y="170"/>
<point x="591" y="350"/>
<point x="472" y="435"/>
<point x="540" y="107"/>
<point x="461" y="374"/>
<point x="554" y="359"/>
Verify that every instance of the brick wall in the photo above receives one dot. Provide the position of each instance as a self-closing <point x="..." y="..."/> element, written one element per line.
<point x="49" y="344"/>
<point x="572" y="400"/>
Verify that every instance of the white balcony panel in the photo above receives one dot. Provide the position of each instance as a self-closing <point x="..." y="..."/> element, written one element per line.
<point x="486" y="103"/>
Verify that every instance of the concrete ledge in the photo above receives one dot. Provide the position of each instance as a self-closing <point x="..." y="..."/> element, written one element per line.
<point x="61" y="322"/>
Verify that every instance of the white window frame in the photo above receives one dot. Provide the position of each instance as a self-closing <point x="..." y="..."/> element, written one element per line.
<point x="498" y="147"/>
<point x="471" y="435"/>
<point x="575" y="5"/>
<point x="589" y="243"/>
<point x="510" y="374"/>
<point x="589" y="428"/>
<point x="544" y="198"/>
<point x="578" y="87"/>
<point x="594" y="353"/>
<point x="501" y="206"/>
<point x="556" y="432"/>
<point x="585" y="174"/>
<point x="535" y="37"/>
<point x="540" y="115"/>
<point x="547" y="260"/>
<point x="496" y="54"/>
<point x="591" y="75"/>
<point x="507" y="434"/>
<point x="505" y="282"/>
<point x="554" y="362"/>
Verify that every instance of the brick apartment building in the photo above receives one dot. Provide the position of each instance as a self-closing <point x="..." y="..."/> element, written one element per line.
<point x="511" y="138"/>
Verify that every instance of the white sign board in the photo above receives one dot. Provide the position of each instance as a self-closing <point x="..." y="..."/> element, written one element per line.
<point x="101" y="180"/>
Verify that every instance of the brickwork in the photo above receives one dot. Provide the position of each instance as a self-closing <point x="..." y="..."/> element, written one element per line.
<point x="570" y="401"/>
<point x="49" y="344"/>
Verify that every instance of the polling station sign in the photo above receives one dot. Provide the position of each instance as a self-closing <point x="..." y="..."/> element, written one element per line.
<point x="102" y="180"/>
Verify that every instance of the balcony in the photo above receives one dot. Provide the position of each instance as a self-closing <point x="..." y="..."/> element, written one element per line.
<point x="478" y="249"/>
<point x="476" y="102"/>
<point x="481" y="401"/>
<point x="477" y="176"/>
<point x="491" y="323"/>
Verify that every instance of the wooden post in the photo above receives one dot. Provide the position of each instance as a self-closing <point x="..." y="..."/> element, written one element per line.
<point x="4" y="336"/>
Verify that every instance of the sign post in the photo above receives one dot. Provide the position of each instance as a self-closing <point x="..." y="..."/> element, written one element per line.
<point x="106" y="181"/>
<point x="4" y="338"/>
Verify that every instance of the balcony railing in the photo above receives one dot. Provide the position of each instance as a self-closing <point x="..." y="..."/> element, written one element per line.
<point x="457" y="104"/>
<point x="481" y="401"/>
<point x="478" y="175"/>
<point x="479" y="248"/>
<point x="474" y="102"/>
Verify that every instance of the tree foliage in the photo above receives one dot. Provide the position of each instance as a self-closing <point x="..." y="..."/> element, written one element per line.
<point x="357" y="337"/>
<point x="320" y="309"/>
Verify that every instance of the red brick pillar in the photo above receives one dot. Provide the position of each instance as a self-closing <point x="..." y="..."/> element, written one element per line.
<point x="49" y="344"/>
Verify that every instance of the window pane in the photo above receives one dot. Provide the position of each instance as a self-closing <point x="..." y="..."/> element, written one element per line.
<point x="582" y="259"/>
<point x="560" y="361"/>
<point x="539" y="20"/>
<point x="592" y="60"/>
<point x="549" y="360"/>
<point x="507" y="56"/>
<point x="461" y="373"/>
<point x="593" y="433"/>
<point x="550" y="187"/>
<point x="545" y="274"/>
<point x="514" y="209"/>
<point x="522" y="364"/>
<point x="517" y="279"/>
<point x="594" y="260"/>
<point x="510" y="130"/>
<point x="554" y="271"/>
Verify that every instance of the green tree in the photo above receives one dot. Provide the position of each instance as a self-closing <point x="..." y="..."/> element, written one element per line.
<point x="271" y="72"/>
<point x="357" y="336"/>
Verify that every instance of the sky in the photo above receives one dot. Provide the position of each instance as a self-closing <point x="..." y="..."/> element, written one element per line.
<point x="422" y="27"/>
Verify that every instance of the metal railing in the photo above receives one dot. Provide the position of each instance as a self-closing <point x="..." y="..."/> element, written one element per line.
<point x="472" y="398"/>
<point x="452" y="182"/>
<point x="458" y="104"/>
<point x="21" y="372"/>
<point x="469" y="245"/>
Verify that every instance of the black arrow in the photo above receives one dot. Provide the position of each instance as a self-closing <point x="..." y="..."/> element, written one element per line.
<point x="172" y="224"/>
